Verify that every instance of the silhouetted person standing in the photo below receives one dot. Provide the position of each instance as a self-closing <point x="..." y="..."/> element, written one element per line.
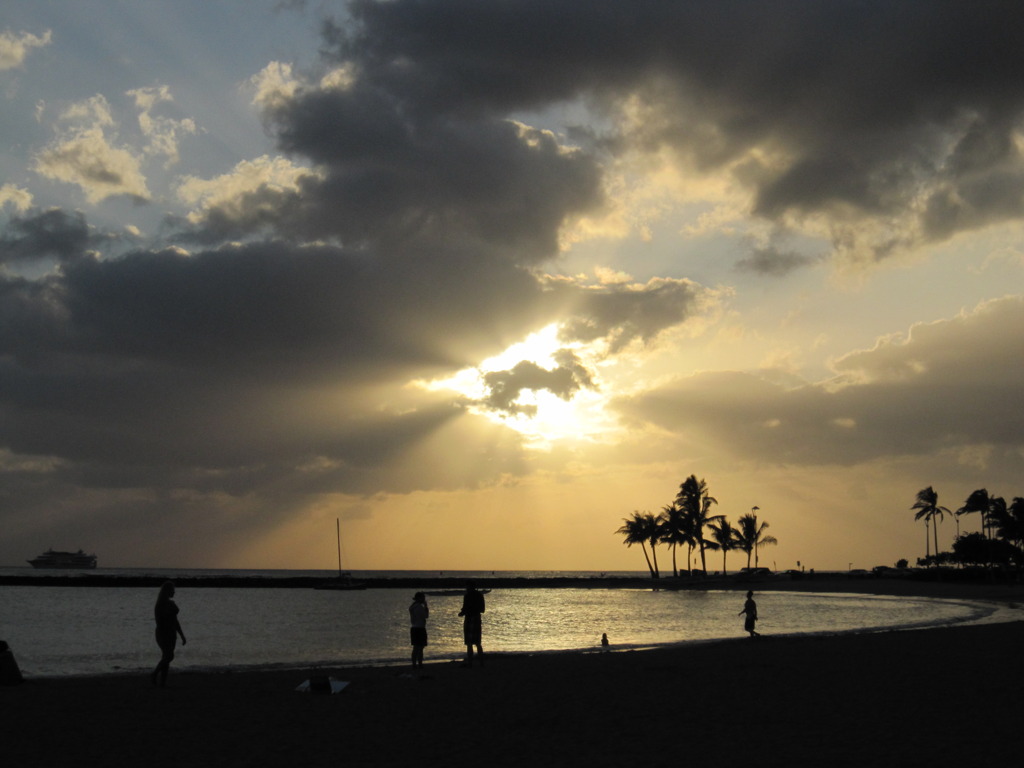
<point x="472" y="608"/>
<point x="418" y="613"/>
<point x="749" y="608"/>
<point x="167" y="631"/>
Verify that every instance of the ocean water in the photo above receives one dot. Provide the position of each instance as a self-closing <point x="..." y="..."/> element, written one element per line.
<point x="61" y="630"/>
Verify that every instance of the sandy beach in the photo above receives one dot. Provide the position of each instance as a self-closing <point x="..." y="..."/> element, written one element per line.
<point x="949" y="696"/>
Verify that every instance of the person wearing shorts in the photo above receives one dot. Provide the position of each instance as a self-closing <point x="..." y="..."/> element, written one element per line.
<point x="472" y="629"/>
<point x="418" y="613"/>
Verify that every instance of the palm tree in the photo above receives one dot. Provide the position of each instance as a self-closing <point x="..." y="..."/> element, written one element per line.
<point x="695" y="502"/>
<point x="726" y="537"/>
<point x="679" y="530"/>
<point x="752" y="535"/>
<point x="643" y="528"/>
<point x="979" y="501"/>
<point x="927" y="506"/>
<point x="673" y="531"/>
<point x="1016" y="514"/>
<point x="1001" y="523"/>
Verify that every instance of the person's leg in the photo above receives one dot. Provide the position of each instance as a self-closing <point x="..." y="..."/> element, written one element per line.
<point x="159" y="675"/>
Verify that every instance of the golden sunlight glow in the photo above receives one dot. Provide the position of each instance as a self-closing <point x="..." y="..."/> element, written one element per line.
<point x="546" y="417"/>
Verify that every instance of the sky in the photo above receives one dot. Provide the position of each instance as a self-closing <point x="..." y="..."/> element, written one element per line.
<point x="481" y="279"/>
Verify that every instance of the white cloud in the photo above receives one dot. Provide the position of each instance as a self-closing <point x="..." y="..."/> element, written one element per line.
<point x="88" y="160"/>
<point x="275" y="86"/>
<point x="83" y="154"/>
<point x="20" y="199"/>
<point x="162" y="132"/>
<point x="15" y="47"/>
<point x="94" y="111"/>
<point x="340" y="78"/>
<point x="226" y="191"/>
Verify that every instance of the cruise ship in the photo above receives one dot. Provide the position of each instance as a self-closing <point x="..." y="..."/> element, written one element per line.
<point x="53" y="559"/>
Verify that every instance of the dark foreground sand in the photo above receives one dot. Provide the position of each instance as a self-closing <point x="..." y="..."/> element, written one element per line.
<point x="941" y="697"/>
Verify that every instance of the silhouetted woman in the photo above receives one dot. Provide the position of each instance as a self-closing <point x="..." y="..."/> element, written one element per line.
<point x="167" y="631"/>
<point x="750" y="609"/>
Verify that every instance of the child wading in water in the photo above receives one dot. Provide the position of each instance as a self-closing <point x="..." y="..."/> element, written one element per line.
<point x="750" y="608"/>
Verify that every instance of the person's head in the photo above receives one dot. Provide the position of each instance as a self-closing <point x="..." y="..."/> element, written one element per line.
<point x="166" y="591"/>
<point x="750" y="594"/>
<point x="419" y="597"/>
<point x="470" y="586"/>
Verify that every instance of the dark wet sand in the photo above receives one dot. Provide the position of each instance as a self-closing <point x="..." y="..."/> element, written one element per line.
<point x="939" y="697"/>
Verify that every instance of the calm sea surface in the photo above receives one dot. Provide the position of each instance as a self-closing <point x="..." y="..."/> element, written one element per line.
<point x="63" y="630"/>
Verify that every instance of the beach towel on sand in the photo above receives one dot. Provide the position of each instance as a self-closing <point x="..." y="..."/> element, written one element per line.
<point x="321" y="684"/>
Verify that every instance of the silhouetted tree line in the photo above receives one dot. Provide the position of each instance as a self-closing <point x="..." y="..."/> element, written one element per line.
<point x="688" y="522"/>
<point x="1000" y="542"/>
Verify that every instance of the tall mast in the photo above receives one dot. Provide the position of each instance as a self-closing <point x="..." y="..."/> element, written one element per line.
<point x="337" y="525"/>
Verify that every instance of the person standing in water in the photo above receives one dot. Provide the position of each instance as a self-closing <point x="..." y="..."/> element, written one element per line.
<point x="749" y="608"/>
<point x="167" y="631"/>
<point x="472" y="629"/>
<point x="418" y="613"/>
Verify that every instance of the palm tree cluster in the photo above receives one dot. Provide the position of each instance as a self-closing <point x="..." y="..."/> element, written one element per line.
<point x="687" y="521"/>
<point x="1002" y="526"/>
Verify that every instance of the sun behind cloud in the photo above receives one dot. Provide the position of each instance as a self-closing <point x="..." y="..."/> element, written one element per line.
<point x="540" y="387"/>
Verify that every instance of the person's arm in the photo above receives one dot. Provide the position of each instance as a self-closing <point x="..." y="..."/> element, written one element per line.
<point x="181" y="632"/>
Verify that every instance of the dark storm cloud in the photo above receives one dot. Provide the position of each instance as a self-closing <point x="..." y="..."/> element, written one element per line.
<point x="564" y="380"/>
<point x="948" y="386"/>
<point x="621" y="313"/>
<point x="387" y="178"/>
<point x="53" y="234"/>
<point x="210" y="369"/>
<point x="773" y="261"/>
<point x="869" y="109"/>
<point x="266" y="309"/>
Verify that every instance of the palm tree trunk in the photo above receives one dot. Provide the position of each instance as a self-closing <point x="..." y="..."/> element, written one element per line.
<point x="935" y="532"/>
<point x="648" y="559"/>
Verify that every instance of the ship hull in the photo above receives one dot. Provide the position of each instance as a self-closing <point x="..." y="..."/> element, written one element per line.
<point x="64" y="561"/>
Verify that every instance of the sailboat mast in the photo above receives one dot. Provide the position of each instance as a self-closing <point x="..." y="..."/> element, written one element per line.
<point x="337" y="525"/>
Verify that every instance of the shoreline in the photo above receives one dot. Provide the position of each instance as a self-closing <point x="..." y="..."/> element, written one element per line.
<point x="999" y="599"/>
<point x="922" y="584"/>
<point x="879" y="699"/>
<point x="997" y="596"/>
<point x="852" y="699"/>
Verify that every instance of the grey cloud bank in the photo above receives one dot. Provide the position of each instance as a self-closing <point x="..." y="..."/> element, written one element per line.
<point x="257" y="350"/>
